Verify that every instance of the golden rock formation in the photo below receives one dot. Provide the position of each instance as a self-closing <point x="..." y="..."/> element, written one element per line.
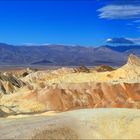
<point x="72" y="88"/>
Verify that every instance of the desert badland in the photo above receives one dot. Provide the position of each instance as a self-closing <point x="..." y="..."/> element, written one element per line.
<point x="68" y="102"/>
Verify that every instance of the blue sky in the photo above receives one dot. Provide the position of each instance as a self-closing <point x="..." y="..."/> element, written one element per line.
<point x="80" y="22"/>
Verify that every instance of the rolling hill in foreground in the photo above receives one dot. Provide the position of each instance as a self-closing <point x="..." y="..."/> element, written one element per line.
<point x="61" y="55"/>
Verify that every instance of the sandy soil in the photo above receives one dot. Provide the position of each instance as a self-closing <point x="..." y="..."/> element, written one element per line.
<point x="77" y="124"/>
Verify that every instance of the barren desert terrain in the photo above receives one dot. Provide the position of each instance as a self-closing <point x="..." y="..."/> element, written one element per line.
<point x="77" y="102"/>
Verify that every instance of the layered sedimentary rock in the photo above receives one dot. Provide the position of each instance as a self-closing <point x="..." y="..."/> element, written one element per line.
<point x="9" y="83"/>
<point x="73" y="88"/>
<point x="73" y="96"/>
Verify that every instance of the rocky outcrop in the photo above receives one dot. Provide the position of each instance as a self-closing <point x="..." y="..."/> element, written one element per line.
<point x="133" y="60"/>
<point x="28" y="71"/>
<point x="23" y="72"/>
<point x="9" y="83"/>
<point x="104" y="68"/>
<point x="82" y="69"/>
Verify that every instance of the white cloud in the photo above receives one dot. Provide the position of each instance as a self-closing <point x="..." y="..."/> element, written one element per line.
<point x="109" y="39"/>
<point x="119" y="12"/>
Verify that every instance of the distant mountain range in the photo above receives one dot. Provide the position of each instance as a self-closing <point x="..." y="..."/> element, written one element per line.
<point x="61" y="55"/>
